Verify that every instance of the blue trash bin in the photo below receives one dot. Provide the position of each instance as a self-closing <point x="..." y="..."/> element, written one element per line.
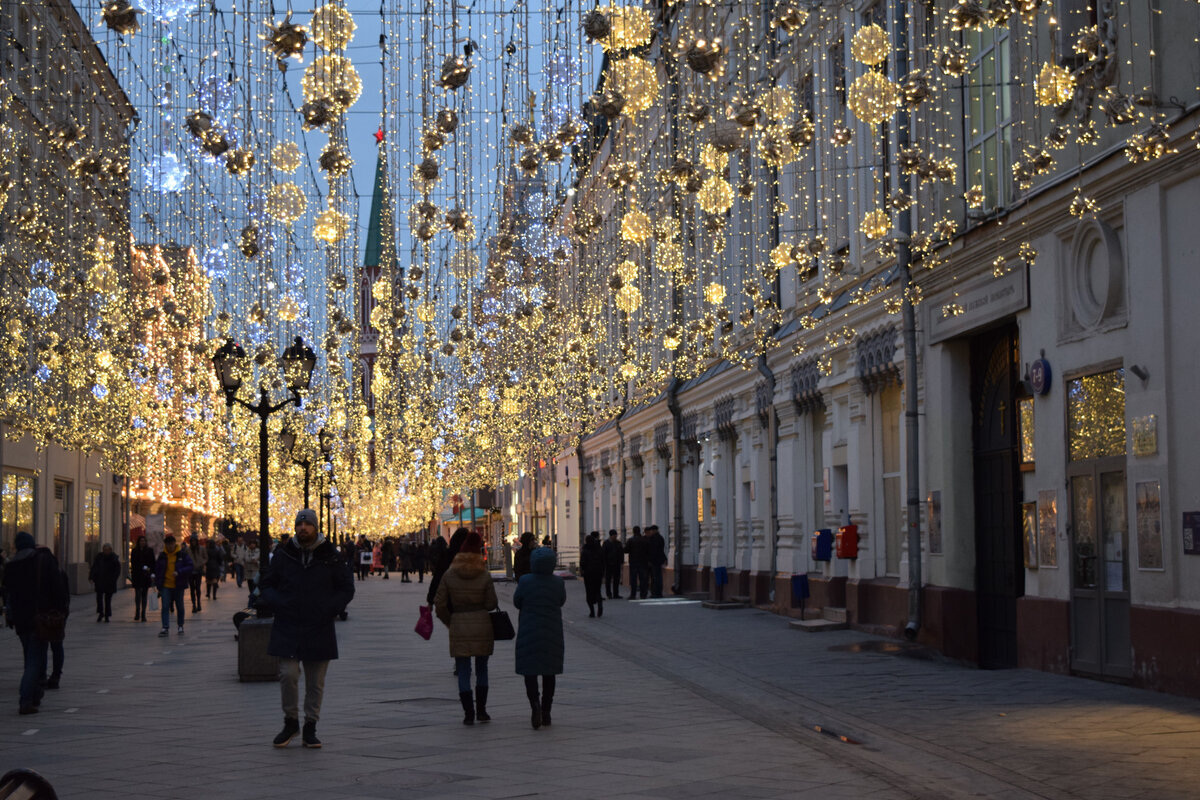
<point x="799" y="590"/>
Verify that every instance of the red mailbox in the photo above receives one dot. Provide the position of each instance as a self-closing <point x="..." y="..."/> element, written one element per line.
<point x="846" y="541"/>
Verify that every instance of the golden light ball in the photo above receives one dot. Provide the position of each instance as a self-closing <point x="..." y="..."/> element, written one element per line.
<point x="873" y="97"/>
<point x="286" y="157"/>
<point x="332" y="27"/>
<point x="870" y="45"/>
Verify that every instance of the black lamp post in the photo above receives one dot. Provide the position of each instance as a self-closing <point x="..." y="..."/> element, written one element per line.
<point x="287" y="437"/>
<point x="298" y="362"/>
<point x="325" y="439"/>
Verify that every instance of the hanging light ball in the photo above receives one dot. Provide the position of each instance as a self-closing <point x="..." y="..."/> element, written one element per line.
<point x="530" y="161"/>
<point x="334" y="78"/>
<point x="447" y="120"/>
<point x="696" y="111"/>
<point x="214" y="143"/>
<point x="705" y="57"/>
<point x="552" y="149"/>
<point x="873" y="97"/>
<point x="636" y="226"/>
<point x="629" y="298"/>
<point x="876" y="224"/>
<point x="428" y="171"/>
<point x="1055" y="85"/>
<point x="42" y="300"/>
<point x="776" y="147"/>
<point x="610" y="103"/>
<point x="461" y="223"/>
<point x="335" y="160"/>
<point x="715" y="196"/>
<point x="240" y="161"/>
<point x="287" y="40"/>
<point x="870" y="45"/>
<point x="636" y="79"/>
<point x="198" y="124"/>
<point x="286" y="157"/>
<point x="596" y="25"/>
<point x="331" y="226"/>
<point x="915" y="88"/>
<point x="456" y="71"/>
<point x="332" y="27"/>
<point x="317" y="113"/>
<point x="954" y="60"/>
<point x="714" y="293"/>
<point x="632" y="26"/>
<point x="568" y="131"/>
<point x="120" y="17"/>
<point x="968" y="15"/>
<point x="248" y="243"/>
<point x="790" y="16"/>
<point x="286" y="202"/>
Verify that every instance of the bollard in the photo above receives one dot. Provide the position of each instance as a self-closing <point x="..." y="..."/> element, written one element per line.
<point x="253" y="662"/>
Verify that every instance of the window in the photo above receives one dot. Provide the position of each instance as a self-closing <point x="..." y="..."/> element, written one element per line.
<point x="16" y="507"/>
<point x="1026" y="421"/>
<point x="890" y="415"/>
<point x="1096" y="415"/>
<point x="988" y="134"/>
<point x="91" y="524"/>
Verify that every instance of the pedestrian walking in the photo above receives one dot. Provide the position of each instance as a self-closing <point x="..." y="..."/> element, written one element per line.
<point x="199" y="556"/>
<point x="388" y="556"/>
<point x="34" y="595"/>
<point x="305" y="588"/>
<point x="521" y="557"/>
<point x="172" y="572"/>
<point x="57" y="652"/>
<point x="419" y="559"/>
<point x="591" y="566"/>
<point x="637" y="548"/>
<point x="464" y="597"/>
<point x="540" y="597"/>
<point x="106" y="569"/>
<point x="656" y="559"/>
<point x="447" y="553"/>
<point x="141" y="575"/>
<point x="377" y="567"/>
<point x="214" y="568"/>
<point x="250" y="568"/>
<point x="614" y="559"/>
<point x="239" y="562"/>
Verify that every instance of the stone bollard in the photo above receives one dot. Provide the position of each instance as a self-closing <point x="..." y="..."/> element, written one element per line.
<point x="253" y="662"/>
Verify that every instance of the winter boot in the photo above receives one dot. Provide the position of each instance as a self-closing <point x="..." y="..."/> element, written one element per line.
<point x="481" y="714"/>
<point x="290" y="728"/>
<point x="535" y="709"/>
<point x="591" y="610"/>
<point x="468" y="704"/>
<point x="600" y="609"/>
<point x="547" y="701"/>
<point x="309" y="735"/>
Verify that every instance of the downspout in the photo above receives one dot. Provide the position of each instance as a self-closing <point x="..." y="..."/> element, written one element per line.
<point x="773" y="450"/>
<point x="582" y="526"/>
<point x="676" y="481"/>
<point x="911" y="430"/>
<point x="621" y="462"/>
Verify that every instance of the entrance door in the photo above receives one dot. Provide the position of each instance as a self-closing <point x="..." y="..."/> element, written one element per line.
<point x="999" y="579"/>
<point x="62" y="518"/>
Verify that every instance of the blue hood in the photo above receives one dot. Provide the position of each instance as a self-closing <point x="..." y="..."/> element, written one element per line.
<point x="541" y="561"/>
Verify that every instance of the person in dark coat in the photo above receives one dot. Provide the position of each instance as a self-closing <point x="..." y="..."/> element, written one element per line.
<point x="106" y="569"/>
<point x="521" y="557"/>
<point x="172" y="575"/>
<point x="656" y="547"/>
<point x="198" y="553"/>
<point x="141" y="575"/>
<point x="214" y="568"/>
<point x="447" y="557"/>
<point x="464" y="597"/>
<point x="305" y="588"/>
<point x="614" y="559"/>
<point x="417" y="553"/>
<point x="638" y="550"/>
<point x="591" y="566"/>
<point x="32" y="585"/>
<point x="540" y="597"/>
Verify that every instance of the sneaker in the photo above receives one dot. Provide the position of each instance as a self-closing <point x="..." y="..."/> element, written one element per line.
<point x="53" y="682"/>
<point x="310" y="734"/>
<point x="164" y="632"/>
<point x="290" y="728"/>
<point x="180" y="631"/>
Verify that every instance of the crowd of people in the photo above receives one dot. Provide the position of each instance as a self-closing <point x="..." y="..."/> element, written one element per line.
<point x="307" y="586"/>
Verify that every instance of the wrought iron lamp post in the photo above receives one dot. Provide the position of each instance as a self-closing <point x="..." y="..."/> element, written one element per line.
<point x="298" y="362"/>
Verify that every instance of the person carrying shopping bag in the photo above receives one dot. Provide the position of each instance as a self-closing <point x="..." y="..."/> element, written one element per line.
<point x="464" y="597"/>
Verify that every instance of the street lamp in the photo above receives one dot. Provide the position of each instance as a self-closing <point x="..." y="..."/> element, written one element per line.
<point x="325" y="440"/>
<point x="298" y="362"/>
<point x="287" y="438"/>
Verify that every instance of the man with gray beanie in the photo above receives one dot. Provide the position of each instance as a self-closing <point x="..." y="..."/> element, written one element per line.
<point x="306" y="586"/>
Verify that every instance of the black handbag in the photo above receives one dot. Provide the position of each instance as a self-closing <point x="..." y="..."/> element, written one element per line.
<point x="502" y="627"/>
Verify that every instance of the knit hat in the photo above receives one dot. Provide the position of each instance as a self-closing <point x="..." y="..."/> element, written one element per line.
<point x="307" y="515"/>
<point x="23" y="541"/>
<point x="473" y="544"/>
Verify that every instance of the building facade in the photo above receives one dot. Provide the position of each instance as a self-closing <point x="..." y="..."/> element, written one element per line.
<point x="66" y="123"/>
<point x="1052" y="343"/>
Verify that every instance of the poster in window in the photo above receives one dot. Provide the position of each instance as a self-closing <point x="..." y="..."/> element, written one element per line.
<point x="1047" y="527"/>
<point x="1191" y="533"/>
<point x="935" y="522"/>
<point x="1149" y="526"/>
<point x="1029" y="534"/>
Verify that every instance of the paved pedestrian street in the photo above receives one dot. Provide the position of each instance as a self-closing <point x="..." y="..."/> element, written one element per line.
<point x="660" y="699"/>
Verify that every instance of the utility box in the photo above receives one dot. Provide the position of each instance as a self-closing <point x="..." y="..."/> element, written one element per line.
<point x="847" y="541"/>
<point x="253" y="662"/>
<point x="822" y="545"/>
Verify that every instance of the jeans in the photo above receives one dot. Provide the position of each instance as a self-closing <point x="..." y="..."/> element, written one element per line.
<point x="56" y="659"/>
<point x="612" y="580"/>
<point x="35" y="669"/>
<point x="463" y="665"/>
<point x="639" y="580"/>
<point x="194" y="585"/>
<point x="104" y="604"/>
<point x="172" y="597"/>
<point x="239" y="574"/>
<point x="141" y="594"/>
<point x="656" y="578"/>
<point x="314" y="687"/>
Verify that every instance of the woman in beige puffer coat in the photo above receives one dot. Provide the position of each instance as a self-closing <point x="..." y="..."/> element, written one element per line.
<point x="464" y="597"/>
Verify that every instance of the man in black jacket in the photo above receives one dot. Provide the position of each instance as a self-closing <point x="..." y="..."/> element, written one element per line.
<point x="32" y="584"/>
<point x="614" y="558"/>
<point x="657" y="547"/>
<point x="638" y="550"/>
<point x="306" y="587"/>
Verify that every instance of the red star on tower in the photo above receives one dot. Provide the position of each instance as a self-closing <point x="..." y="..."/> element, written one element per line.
<point x="379" y="136"/>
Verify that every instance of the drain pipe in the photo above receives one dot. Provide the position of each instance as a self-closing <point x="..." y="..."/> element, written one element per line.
<point x="582" y="521"/>
<point x="773" y="450"/>
<point x="676" y="481"/>
<point x="621" y="462"/>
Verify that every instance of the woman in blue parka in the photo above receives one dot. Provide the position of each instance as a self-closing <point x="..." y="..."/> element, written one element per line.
<point x="540" y="597"/>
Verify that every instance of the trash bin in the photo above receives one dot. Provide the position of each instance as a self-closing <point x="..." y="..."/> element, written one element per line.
<point x="253" y="662"/>
<point x="799" y="590"/>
